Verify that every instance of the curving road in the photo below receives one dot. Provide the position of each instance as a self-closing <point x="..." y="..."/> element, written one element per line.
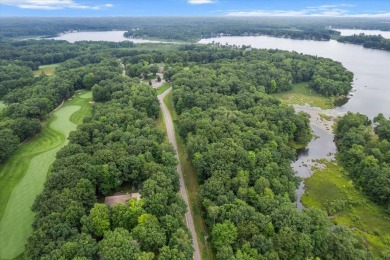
<point x="183" y="191"/>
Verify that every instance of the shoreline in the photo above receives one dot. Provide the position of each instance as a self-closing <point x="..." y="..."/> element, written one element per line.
<point x="319" y="121"/>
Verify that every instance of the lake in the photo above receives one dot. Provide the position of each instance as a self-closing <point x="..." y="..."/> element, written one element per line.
<point x="348" y="32"/>
<point x="111" y="36"/>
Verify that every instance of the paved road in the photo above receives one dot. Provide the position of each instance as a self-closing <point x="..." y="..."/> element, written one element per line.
<point x="183" y="191"/>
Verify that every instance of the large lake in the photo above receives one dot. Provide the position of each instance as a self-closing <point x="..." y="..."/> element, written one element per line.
<point x="111" y="36"/>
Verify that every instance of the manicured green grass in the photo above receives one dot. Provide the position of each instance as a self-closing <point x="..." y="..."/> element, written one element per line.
<point x="46" y="69"/>
<point x="22" y="176"/>
<point x="301" y="94"/>
<point x="192" y="185"/>
<point x="365" y="217"/>
<point x="163" y="88"/>
<point x="2" y="105"/>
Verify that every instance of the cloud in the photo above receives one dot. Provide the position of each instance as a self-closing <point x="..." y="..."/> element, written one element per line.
<point x="52" y="4"/>
<point x="200" y="2"/>
<point x="339" y="10"/>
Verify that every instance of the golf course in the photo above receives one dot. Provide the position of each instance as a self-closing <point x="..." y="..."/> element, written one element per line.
<point x="23" y="175"/>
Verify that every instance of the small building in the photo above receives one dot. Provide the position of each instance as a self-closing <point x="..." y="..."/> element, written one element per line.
<point x="113" y="200"/>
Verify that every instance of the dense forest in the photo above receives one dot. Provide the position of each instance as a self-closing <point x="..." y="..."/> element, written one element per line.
<point x="189" y="28"/>
<point x="366" y="155"/>
<point x="236" y="134"/>
<point x="196" y="32"/>
<point x="368" y="41"/>
<point x="30" y="99"/>
<point x="237" y="139"/>
<point x="117" y="144"/>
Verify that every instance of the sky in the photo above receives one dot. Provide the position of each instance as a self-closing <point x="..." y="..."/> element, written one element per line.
<point x="93" y="8"/>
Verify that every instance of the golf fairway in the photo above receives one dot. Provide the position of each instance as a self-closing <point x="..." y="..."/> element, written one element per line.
<point x="23" y="175"/>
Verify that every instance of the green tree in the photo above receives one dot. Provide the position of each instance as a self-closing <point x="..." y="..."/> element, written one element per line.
<point x="149" y="233"/>
<point x="118" y="245"/>
<point x="224" y="234"/>
<point x="89" y="80"/>
<point x="8" y="143"/>
<point x="98" y="220"/>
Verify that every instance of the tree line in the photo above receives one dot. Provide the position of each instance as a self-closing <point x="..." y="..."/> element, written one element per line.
<point x="188" y="28"/>
<point x="34" y="53"/>
<point x="366" y="154"/>
<point x="237" y="137"/>
<point x="30" y="104"/>
<point x="368" y="41"/>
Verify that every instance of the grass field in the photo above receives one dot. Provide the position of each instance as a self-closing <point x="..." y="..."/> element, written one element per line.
<point x="22" y="176"/>
<point x="47" y="69"/>
<point x="301" y="94"/>
<point x="192" y="185"/>
<point x="163" y="88"/>
<point x="365" y="217"/>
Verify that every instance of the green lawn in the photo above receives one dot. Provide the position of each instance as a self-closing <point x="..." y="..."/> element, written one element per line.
<point x="163" y="88"/>
<point x="22" y="176"/>
<point x="192" y="186"/>
<point x="365" y="217"/>
<point x="47" y="69"/>
<point x="301" y="94"/>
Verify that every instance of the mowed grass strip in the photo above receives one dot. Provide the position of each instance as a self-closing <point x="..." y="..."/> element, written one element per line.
<point x="163" y="88"/>
<point x="302" y="94"/>
<point x="46" y="69"/>
<point x="332" y="184"/>
<point x="22" y="176"/>
<point x="192" y="185"/>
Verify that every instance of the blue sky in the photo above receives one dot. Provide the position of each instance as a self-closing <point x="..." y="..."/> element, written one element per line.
<point x="351" y="8"/>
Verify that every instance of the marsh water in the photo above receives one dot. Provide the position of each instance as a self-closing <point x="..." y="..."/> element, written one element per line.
<point x="371" y="70"/>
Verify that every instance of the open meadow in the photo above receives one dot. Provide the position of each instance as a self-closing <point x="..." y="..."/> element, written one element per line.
<point x="302" y="94"/>
<point x="46" y="69"/>
<point x="331" y="189"/>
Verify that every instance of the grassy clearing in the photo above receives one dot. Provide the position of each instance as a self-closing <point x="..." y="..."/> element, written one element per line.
<point x="46" y="69"/>
<point x="22" y="176"/>
<point x="192" y="185"/>
<point x="296" y="146"/>
<point x="301" y="94"/>
<point x="158" y="46"/>
<point x="163" y="88"/>
<point x="325" y="117"/>
<point x="365" y="217"/>
<point x="160" y="122"/>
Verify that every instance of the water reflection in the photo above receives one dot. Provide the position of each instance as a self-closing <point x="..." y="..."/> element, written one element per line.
<point x="321" y="147"/>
